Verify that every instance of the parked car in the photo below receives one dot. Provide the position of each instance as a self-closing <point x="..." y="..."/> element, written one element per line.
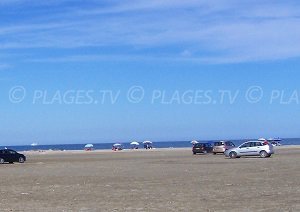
<point x="202" y="148"/>
<point x="222" y="146"/>
<point x="276" y="143"/>
<point x="11" y="156"/>
<point x="251" y="148"/>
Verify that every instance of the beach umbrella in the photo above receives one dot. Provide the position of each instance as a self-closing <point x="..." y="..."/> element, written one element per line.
<point x="34" y="144"/>
<point x="262" y="139"/>
<point x="134" y="143"/>
<point x="194" y="142"/>
<point x="147" y="142"/>
<point x="116" y="145"/>
<point x="89" y="146"/>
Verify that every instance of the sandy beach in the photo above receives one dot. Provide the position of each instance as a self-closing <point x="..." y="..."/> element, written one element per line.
<point x="155" y="180"/>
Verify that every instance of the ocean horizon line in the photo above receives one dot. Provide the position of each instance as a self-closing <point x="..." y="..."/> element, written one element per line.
<point x="127" y="142"/>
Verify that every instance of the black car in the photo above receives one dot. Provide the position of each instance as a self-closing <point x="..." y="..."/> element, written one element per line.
<point x="11" y="156"/>
<point x="202" y="148"/>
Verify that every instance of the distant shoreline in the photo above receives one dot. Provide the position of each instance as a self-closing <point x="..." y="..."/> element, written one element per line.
<point x="126" y="145"/>
<point x="154" y="141"/>
<point x="32" y="152"/>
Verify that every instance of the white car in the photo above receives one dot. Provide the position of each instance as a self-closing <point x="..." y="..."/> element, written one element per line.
<point x="251" y="148"/>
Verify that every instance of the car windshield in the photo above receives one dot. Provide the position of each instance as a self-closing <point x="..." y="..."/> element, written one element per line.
<point x="203" y="145"/>
<point x="219" y="143"/>
<point x="198" y="145"/>
<point x="229" y="144"/>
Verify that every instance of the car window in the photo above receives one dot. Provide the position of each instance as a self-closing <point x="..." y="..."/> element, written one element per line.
<point x="252" y="144"/>
<point x="258" y="144"/>
<point x="232" y="144"/>
<point x="11" y="152"/>
<point x="245" y="145"/>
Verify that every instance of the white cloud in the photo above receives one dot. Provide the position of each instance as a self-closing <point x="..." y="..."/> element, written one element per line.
<point x="4" y="66"/>
<point x="230" y="31"/>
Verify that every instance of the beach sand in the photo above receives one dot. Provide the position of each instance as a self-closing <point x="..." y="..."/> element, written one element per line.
<point x="154" y="180"/>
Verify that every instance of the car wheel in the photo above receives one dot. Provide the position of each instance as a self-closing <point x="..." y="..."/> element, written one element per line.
<point x="263" y="154"/>
<point x="21" y="160"/>
<point x="232" y="155"/>
<point x="215" y="153"/>
<point x="1" y="161"/>
<point x="194" y="153"/>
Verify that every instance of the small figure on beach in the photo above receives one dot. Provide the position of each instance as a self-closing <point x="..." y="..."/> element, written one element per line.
<point x="147" y="144"/>
<point x="117" y="147"/>
<point x="89" y="147"/>
<point x="134" y="145"/>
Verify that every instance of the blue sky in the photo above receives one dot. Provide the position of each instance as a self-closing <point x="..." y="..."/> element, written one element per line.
<point x="168" y="46"/>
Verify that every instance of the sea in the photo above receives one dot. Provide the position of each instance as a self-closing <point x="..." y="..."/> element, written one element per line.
<point x="107" y="146"/>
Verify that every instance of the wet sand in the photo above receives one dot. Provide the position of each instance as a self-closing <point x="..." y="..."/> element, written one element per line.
<point x="155" y="180"/>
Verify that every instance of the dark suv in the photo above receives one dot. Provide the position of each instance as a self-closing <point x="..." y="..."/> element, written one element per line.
<point x="11" y="156"/>
<point x="202" y="148"/>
